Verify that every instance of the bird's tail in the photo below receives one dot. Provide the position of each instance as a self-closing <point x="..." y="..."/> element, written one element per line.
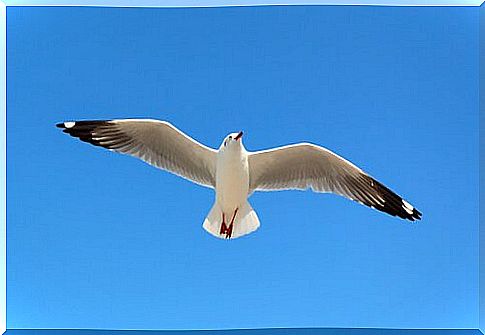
<point x="245" y="222"/>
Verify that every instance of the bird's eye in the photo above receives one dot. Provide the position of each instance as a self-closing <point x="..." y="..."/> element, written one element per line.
<point x="230" y="137"/>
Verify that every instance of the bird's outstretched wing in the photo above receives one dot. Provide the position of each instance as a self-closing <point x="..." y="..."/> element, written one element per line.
<point x="156" y="142"/>
<point x="303" y="166"/>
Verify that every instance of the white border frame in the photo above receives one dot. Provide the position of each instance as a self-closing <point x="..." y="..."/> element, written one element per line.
<point x="3" y="168"/>
<point x="238" y="3"/>
<point x="188" y="3"/>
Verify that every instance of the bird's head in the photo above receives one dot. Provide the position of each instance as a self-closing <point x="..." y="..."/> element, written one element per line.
<point x="232" y="141"/>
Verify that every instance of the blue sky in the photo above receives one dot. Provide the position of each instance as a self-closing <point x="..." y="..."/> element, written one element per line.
<point x="99" y="240"/>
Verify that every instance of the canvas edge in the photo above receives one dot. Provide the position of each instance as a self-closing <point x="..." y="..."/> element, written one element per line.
<point x="240" y="3"/>
<point x="3" y="179"/>
<point x="481" y="55"/>
<point x="3" y="270"/>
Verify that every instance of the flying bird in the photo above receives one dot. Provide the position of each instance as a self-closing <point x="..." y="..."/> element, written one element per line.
<point x="236" y="173"/>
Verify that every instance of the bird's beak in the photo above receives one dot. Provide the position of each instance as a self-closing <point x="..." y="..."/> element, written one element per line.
<point x="238" y="136"/>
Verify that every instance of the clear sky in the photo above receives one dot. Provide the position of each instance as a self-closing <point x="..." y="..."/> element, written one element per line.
<point x="100" y="240"/>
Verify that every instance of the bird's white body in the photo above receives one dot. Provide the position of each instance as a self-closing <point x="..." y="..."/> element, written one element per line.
<point x="231" y="208"/>
<point x="235" y="173"/>
<point x="232" y="178"/>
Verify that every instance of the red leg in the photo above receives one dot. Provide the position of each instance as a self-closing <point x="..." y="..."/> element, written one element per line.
<point x="229" y="230"/>
<point x="223" y="226"/>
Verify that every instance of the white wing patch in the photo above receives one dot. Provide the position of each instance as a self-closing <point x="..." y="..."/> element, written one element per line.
<point x="407" y="207"/>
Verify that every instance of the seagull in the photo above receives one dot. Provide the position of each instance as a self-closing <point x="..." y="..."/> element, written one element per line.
<point x="236" y="173"/>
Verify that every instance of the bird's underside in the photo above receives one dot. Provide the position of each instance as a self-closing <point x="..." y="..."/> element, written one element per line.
<point x="299" y="166"/>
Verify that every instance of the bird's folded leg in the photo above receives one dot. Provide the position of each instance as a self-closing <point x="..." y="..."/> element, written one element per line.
<point x="229" y="229"/>
<point x="223" y="226"/>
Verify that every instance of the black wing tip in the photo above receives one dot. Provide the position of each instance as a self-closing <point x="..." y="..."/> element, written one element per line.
<point x="416" y="216"/>
<point x="84" y="123"/>
<point x="393" y="204"/>
<point x="401" y="213"/>
<point x="86" y="131"/>
<point x="406" y="214"/>
<point x="405" y="211"/>
<point x="409" y="212"/>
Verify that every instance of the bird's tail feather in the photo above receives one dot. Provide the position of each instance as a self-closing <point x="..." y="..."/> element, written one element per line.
<point x="246" y="221"/>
